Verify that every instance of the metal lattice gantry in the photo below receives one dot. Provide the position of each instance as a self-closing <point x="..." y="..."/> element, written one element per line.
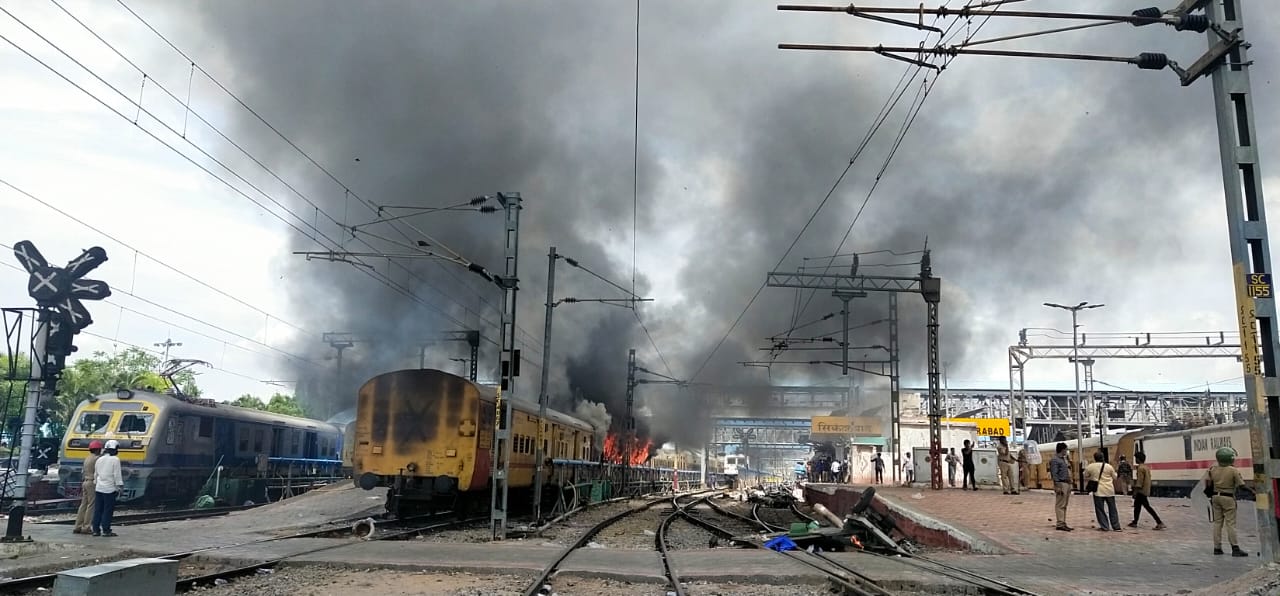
<point x="930" y="288"/>
<point x="1127" y="408"/>
<point x="1141" y="408"/>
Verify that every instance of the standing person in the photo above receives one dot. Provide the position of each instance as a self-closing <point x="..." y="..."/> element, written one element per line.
<point x="878" y="463"/>
<point x="108" y="482"/>
<point x="1006" y="462"/>
<point x="1124" y="476"/>
<point x="908" y="471"/>
<point x="1221" y="483"/>
<point x="966" y="454"/>
<point x="1142" y="490"/>
<point x="952" y="460"/>
<point x="1060" y="472"/>
<point x="835" y="471"/>
<point x="84" y="516"/>
<point x="1104" y="494"/>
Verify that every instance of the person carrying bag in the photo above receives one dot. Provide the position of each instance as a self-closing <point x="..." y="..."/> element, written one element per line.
<point x="1101" y="483"/>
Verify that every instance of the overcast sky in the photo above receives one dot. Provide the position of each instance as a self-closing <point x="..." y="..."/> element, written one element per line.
<point x="1033" y="181"/>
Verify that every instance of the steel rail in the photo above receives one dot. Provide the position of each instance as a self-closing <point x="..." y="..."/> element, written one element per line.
<point x="46" y="580"/>
<point x="160" y="516"/>
<point x="660" y="542"/>
<point x="187" y="584"/>
<point x="535" y="587"/>
<point x="994" y="586"/>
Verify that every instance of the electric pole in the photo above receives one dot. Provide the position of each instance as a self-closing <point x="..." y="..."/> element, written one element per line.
<point x="1227" y="63"/>
<point x="166" y="344"/>
<point x="544" y="397"/>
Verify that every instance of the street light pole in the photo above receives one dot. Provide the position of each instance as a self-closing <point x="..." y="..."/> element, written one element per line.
<point x="1075" y="364"/>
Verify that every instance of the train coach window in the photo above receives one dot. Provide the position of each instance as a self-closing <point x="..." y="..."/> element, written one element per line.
<point x="134" y="423"/>
<point x="92" y="422"/>
<point x="206" y="426"/>
<point x="244" y="439"/>
<point x="257" y="440"/>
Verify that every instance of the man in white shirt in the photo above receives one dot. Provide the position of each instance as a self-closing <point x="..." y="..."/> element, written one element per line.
<point x="108" y="482"/>
<point x="835" y="471"/>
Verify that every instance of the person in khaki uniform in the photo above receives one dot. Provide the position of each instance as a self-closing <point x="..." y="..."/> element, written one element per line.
<point x="1006" y="461"/>
<point x="1220" y="484"/>
<point x="87" y="492"/>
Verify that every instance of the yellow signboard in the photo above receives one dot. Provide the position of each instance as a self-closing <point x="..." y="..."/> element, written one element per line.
<point x="987" y="427"/>
<point x="844" y="425"/>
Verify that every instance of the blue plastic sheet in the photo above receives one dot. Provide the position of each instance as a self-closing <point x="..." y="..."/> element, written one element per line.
<point x="780" y="544"/>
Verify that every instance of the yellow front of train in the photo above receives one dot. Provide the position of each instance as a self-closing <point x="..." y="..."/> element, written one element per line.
<point x="419" y="433"/>
<point x="128" y="417"/>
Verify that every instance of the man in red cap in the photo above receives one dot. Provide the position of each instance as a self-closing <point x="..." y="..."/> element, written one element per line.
<point x="87" y="491"/>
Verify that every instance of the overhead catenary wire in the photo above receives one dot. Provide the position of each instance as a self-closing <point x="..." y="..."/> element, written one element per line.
<point x="157" y="352"/>
<point x="890" y="102"/>
<point x="386" y="280"/>
<point x="278" y="351"/>
<point x="136" y="250"/>
<point x="922" y="94"/>
<point x="328" y="173"/>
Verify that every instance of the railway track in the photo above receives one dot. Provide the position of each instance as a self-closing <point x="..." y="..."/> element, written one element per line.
<point x="541" y="585"/>
<point x="134" y="519"/>
<point x="390" y="530"/>
<point x="987" y="585"/>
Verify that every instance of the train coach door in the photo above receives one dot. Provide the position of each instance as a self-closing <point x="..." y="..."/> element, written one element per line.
<point x="277" y="441"/>
<point x="310" y="449"/>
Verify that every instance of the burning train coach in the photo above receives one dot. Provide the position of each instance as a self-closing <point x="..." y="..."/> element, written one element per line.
<point x="426" y="435"/>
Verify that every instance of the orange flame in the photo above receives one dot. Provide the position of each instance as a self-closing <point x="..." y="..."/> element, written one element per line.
<point x="616" y="451"/>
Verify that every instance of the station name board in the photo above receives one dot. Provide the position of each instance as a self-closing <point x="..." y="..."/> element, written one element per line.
<point x="987" y="427"/>
<point x="845" y="426"/>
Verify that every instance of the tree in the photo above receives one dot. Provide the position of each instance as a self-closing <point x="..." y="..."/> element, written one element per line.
<point x="104" y="373"/>
<point x="248" y="401"/>
<point x="278" y="404"/>
<point x="285" y="404"/>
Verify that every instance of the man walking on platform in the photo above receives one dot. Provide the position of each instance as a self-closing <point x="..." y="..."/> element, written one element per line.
<point x="1142" y="490"/>
<point x="1060" y="472"/>
<point x="85" y="514"/>
<point x="952" y="460"/>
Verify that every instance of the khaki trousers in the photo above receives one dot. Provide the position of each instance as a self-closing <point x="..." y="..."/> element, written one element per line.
<point x="1122" y="485"/>
<point x="84" y="515"/>
<point x="1006" y="477"/>
<point x="1224" y="512"/>
<point x="1061" y="496"/>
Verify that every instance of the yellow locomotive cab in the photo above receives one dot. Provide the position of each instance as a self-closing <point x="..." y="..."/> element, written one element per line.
<point x="129" y="422"/>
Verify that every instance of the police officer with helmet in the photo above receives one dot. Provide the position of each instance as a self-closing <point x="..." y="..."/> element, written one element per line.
<point x="1220" y="485"/>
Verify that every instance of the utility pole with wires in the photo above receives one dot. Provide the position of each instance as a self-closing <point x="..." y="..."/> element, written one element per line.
<point x="544" y="397"/>
<point x="166" y="344"/>
<point x="1227" y="63"/>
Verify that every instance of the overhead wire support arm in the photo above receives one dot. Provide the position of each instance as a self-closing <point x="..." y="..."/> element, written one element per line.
<point x="966" y="12"/>
<point x="1145" y="60"/>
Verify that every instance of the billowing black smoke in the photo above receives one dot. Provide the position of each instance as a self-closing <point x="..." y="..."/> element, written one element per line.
<point x="1031" y="181"/>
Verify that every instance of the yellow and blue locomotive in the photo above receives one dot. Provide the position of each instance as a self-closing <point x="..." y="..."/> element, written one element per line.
<point x="173" y="446"/>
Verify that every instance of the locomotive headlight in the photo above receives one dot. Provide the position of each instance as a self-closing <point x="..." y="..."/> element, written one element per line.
<point x="411" y="467"/>
<point x="467" y="428"/>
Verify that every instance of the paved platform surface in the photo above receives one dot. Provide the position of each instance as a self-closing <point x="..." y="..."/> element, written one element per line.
<point x="1133" y="561"/>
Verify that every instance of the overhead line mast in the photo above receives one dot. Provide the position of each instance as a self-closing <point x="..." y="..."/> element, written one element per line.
<point x="1227" y="63"/>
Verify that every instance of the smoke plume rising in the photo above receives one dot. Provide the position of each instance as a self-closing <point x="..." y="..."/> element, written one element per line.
<point x="1030" y="181"/>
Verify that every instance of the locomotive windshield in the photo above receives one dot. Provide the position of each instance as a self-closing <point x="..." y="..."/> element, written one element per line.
<point x="92" y="422"/>
<point x="134" y="423"/>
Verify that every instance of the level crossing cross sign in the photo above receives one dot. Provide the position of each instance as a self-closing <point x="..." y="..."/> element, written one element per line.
<point x="62" y="288"/>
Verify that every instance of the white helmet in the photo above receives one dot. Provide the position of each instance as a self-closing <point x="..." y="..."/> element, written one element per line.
<point x="112" y="444"/>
